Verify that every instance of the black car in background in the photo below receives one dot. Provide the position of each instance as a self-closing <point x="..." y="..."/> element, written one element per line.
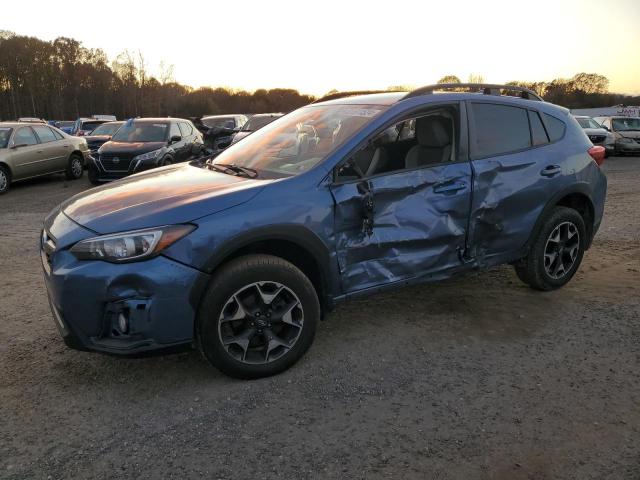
<point x="219" y="130"/>
<point x="256" y="122"/>
<point x="101" y="135"/>
<point x="144" y="143"/>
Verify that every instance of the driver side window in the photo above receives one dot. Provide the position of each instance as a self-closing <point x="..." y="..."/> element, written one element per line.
<point x="417" y="142"/>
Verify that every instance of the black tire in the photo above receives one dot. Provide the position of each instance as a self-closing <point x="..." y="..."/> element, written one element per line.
<point x="93" y="176"/>
<point x="550" y="264"/>
<point x="75" y="167"/>
<point x="5" y="179"/>
<point x="228" y="285"/>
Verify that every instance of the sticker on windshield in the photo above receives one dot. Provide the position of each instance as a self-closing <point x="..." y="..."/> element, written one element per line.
<point x="361" y="112"/>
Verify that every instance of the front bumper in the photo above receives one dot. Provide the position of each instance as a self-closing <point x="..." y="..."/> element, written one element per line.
<point x="631" y="147"/>
<point x="157" y="297"/>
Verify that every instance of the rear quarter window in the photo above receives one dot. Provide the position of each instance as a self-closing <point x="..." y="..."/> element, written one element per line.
<point x="499" y="129"/>
<point x="555" y="127"/>
<point x="538" y="133"/>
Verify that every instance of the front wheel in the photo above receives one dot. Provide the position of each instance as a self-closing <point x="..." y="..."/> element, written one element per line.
<point x="258" y="317"/>
<point x="5" y="179"/>
<point x="75" y="168"/>
<point x="556" y="252"/>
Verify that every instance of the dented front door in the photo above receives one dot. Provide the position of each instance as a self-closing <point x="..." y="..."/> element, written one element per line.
<point x="401" y="225"/>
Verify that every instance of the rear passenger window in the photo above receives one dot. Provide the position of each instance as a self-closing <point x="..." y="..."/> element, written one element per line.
<point x="45" y="134"/>
<point x="499" y="129"/>
<point x="555" y="127"/>
<point x="538" y="133"/>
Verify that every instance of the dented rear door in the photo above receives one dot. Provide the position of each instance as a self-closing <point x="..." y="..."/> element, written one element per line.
<point x="401" y="225"/>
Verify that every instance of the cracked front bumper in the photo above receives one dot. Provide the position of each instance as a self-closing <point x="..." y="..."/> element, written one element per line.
<point x="158" y="297"/>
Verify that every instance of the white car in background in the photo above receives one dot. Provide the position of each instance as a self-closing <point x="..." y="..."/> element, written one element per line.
<point x="626" y="132"/>
<point x="597" y="133"/>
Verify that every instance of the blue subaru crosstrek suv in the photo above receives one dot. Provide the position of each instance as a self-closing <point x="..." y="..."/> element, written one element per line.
<point x="242" y="254"/>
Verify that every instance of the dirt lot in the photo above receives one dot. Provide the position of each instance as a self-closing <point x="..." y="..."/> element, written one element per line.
<point x="474" y="378"/>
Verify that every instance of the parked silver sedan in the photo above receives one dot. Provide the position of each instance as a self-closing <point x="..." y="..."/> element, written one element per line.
<point x="32" y="150"/>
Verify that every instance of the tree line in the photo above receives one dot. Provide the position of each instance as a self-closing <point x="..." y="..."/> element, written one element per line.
<point x="62" y="79"/>
<point x="583" y="90"/>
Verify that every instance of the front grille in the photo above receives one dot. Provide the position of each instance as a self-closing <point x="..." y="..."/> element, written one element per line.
<point x="597" y="138"/>
<point x="115" y="162"/>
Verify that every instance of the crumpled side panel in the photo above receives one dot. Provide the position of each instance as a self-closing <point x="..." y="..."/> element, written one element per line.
<point x="415" y="229"/>
<point x="509" y="196"/>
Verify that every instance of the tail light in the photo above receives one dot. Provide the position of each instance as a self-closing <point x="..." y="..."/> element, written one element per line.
<point x="597" y="153"/>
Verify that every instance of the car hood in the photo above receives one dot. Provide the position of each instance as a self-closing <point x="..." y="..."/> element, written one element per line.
<point x="168" y="195"/>
<point x="632" y="134"/>
<point x="97" y="138"/>
<point x="595" y="131"/>
<point x="130" y="148"/>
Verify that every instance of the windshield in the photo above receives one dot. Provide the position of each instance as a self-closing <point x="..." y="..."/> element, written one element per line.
<point x="588" y="123"/>
<point x="5" y="133"/>
<point x="107" y="129"/>
<point x="623" y="124"/>
<point x="90" y="126"/>
<point x="142" y="132"/>
<point x="256" y="123"/>
<point x="226" y="122"/>
<point x="296" y="142"/>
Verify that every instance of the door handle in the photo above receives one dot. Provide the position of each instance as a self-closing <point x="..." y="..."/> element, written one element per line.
<point x="449" y="187"/>
<point x="551" y="170"/>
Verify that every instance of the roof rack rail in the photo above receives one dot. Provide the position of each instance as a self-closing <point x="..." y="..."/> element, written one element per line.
<point x="485" y="88"/>
<point x="335" y="96"/>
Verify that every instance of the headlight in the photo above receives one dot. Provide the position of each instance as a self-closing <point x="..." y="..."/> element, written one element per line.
<point x="149" y="155"/>
<point x="129" y="246"/>
<point x="625" y="140"/>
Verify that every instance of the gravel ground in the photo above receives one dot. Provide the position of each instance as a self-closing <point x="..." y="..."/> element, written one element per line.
<point x="473" y="378"/>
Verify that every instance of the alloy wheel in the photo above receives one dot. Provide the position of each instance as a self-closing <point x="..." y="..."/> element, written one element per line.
<point x="260" y="322"/>
<point x="76" y="167"/>
<point x="4" y="181"/>
<point x="561" y="250"/>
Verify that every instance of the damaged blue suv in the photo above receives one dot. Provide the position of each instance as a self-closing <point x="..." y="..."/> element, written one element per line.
<point x="242" y="254"/>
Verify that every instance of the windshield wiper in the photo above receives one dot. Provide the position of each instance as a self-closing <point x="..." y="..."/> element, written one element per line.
<point x="239" y="169"/>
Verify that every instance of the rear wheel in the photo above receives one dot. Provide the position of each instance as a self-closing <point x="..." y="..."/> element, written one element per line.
<point x="75" y="167"/>
<point x="5" y="179"/>
<point x="557" y="251"/>
<point x="258" y="317"/>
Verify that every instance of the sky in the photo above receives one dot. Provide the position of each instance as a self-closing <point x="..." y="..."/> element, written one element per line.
<point x="354" y="45"/>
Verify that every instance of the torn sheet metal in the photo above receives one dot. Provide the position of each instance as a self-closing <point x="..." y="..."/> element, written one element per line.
<point x="419" y="223"/>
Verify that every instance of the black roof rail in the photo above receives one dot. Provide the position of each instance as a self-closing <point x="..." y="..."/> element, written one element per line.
<point x="485" y="88"/>
<point x="335" y="96"/>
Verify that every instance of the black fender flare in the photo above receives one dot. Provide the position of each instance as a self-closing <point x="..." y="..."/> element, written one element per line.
<point x="580" y="188"/>
<point x="294" y="233"/>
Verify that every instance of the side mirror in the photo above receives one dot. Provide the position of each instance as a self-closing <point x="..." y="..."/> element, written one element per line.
<point x="175" y="139"/>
